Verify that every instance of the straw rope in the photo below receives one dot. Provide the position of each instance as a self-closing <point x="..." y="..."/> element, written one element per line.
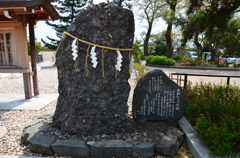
<point x="103" y="73"/>
<point x="76" y="66"/>
<point x="110" y="48"/>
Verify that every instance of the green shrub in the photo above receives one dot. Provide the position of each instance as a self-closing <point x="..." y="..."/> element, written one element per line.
<point x="140" y="70"/>
<point x="215" y="112"/>
<point x="160" y="60"/>
<point x="177" y="57"/>
<point x="142" y="57"/>
<point x="136" y="52"/>
<point x="222" y="65"/>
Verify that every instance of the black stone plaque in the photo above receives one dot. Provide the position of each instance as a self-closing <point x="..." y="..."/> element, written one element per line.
<point x="156" y="98"/>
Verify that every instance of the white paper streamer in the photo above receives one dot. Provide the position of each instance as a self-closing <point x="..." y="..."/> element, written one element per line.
<point x="74" y="49"/>
<point x="93" y="57"/>
<point x="131" y="64"/>
<point x="119" y="61"/>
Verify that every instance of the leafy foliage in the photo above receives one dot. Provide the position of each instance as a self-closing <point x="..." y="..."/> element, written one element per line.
<point x="231" y="39"/>
<point x="140" y="70"/>
<point x="160" y="60"/>
<point x="68" y="10"/>
<point x="215" y="111"/>
<point x="149" y="10"/>
<point x="136" y="52"/>
<point x="183" y="60"/>
<point x="38" y="47"/>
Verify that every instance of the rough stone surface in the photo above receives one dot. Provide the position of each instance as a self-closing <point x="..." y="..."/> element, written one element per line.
<point x="144" y="149"/>
<point x="170" y="142"/>
<point x="88" y="103"/>
<point x="73" y="147"/>
<point x="110" y="148"/>
<point x="41" y="144"/>
<point x="156" y="97"/>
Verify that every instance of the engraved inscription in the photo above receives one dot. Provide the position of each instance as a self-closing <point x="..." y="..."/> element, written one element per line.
<point x="158" y="98"/>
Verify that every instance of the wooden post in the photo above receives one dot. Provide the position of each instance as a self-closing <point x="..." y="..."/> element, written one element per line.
<point x="33" y="57"/>
<point x="27" y="85"/>
<point x="228" y="80"/>
<point x="185" y="81"/>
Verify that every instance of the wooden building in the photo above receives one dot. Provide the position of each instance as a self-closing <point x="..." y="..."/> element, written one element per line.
<point x="15" y="17"/>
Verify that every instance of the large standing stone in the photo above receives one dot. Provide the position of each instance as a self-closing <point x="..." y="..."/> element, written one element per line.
<point x="156" y="97"/>
<point x="94" y="100"/>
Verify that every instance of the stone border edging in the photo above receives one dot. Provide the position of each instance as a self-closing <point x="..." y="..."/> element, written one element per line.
<point x="191" y="67"/>
<point x="196" y="145"/>
<point x="33" y="136"/>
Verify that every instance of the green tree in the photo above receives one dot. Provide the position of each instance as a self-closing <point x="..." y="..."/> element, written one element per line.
<point x="38" y="47"/>
<point x="210" y="18"/>
<point x="122" y="3"/>
<point x="170" y="18"/>
<point x="231" y="41"/>
<point x="150" y="10"/>
<point x="157" y="44"/>
<point x="68" y="10"/>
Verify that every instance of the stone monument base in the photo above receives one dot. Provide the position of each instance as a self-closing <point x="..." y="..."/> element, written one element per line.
<point x="147" y="140"/>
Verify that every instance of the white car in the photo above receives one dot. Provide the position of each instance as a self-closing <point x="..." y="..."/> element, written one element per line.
<point x="228" y="58"/>
<point x="206" y="55"/>
<point x="192" y="55"/>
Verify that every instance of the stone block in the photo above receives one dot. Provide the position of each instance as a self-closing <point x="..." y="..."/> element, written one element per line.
<point x="170" y="142"/>
<point x="30" y="131"/>
<point x="144" y="149"/>
<point x="46" y="115"/>
<point x="34" y="122"/>
<point x="74" y="148"/>
<point x="41" y="144"/>
<point x="172" y="132"/>
<point x="110" y="148"/>
<point x="168" y="146"/>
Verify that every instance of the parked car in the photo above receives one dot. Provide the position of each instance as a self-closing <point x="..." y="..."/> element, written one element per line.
<point x="192" y="55"/>
<point x="206" y="56"/>
<point x="228" y="58"/>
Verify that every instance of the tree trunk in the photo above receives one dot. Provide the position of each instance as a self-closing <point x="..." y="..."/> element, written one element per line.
<point x="216" y="54"/>
<point x="169" y="40"/>
<point x="172" y="5"/>
<point x="199" y="46"/>
<point x="147" y="39"/>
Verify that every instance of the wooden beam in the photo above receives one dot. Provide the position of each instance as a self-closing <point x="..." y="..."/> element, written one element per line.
<point x="33" y="57"/>
<point x="14" y="70"/>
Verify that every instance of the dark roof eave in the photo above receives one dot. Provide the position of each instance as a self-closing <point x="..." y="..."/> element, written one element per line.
<point x="45" y="4"/>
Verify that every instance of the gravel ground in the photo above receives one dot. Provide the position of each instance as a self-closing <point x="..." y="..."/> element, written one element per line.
<point x="16" y="120"/>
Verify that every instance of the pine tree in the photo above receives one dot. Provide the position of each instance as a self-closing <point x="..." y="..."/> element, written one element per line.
<point x="68" y="9"/>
